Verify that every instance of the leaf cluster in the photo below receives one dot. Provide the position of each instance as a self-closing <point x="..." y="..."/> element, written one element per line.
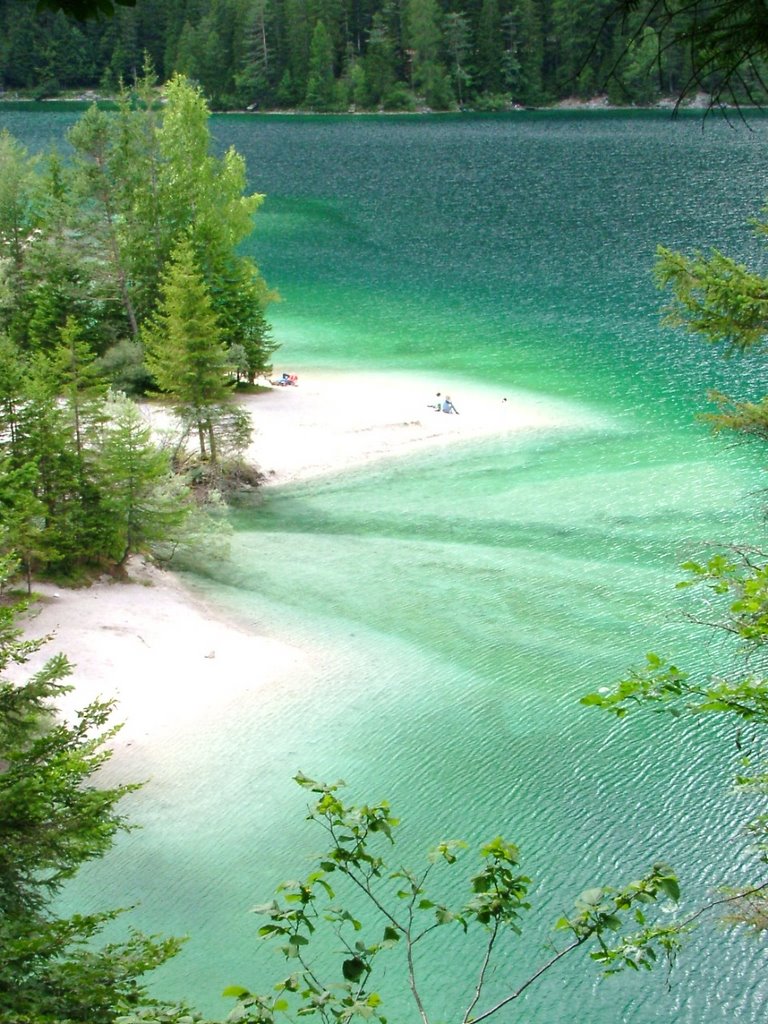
<point x="735" y="585"/>
<point x="715" y="297"/>
<point x="335" y="951"/>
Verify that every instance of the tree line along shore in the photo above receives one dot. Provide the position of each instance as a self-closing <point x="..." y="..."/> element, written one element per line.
<point x="394" y="55"/>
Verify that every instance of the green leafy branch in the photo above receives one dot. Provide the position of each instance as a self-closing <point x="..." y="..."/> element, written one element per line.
<point x="736" y="582"/>
<point x="336" y="985"/>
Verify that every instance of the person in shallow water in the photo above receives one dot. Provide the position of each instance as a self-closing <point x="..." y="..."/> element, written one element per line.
<point x="448" y="405"/>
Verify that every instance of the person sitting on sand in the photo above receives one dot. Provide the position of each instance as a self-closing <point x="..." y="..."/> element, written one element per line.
<point x="448" y="405"/>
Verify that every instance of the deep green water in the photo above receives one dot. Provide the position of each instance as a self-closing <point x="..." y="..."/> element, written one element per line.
<point x="458" y="604"/>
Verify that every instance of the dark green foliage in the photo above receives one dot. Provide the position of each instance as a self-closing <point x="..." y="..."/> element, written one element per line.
<point x="185" y="349"/>
<point x="720" y="46"/>
<point x="144" y="503"/>
<point x="123" y="366"/>
<point x="89" y="240"/>
<point x="81" y="484"/>
<point x="259" y="55"/>
<point x="135" y="238"/>
<point x="726" y="304"/>
<point x="321" y="85"/>
<point x="53" y="819"/>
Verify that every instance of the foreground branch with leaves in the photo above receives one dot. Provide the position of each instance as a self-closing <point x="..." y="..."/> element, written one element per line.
<point x="725" y="304"/>
<point x="735" y="587"/>
<point x="400" y="910"/>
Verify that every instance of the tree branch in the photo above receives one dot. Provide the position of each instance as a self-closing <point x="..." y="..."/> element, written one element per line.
<point x="526" y="984"/>
<point x="483" y="969"/>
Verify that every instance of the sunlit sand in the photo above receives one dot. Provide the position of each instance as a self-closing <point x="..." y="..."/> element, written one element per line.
<point x="332" y="422"/>
<point x="168" y="659"/>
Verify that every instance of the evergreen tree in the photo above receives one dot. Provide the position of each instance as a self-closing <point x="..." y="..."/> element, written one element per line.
<point x="525" y="45"/>
<point x="58" y="276"/>
<point x="144" y="502"/>
<point x="379" y="61"/>
<point x="424" y="39"/>
<point x="239" y="298"/>
<point x="641" y="60"/>
<point x="82" y="390"/>
<point x="254" y="79"/>
<point x="490" y="49"/>
<point x="298" y="40"/>
<point x="335" y="20"/>
<point x="101" y="181"/>
<point x="44" y="439"/>
<point x="17" y="194"/>
<point x="53" y="819"/>
<point x="355" y="84"/>
<point x="457" y="42"/>
<point x="244" y="53"/>
<point x="12" y="379"/>
<point x="185" y="352"/>
<point x="22" y="515"/>
<point x="321" y="85"/>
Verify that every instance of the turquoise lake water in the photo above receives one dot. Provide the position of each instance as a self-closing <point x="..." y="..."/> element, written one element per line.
<point x="458" y="604"/>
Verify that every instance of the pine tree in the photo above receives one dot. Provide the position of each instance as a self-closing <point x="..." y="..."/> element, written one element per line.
<point x="239" y="298"/>
<point x="525" y="46"/>
<point x="321" y="83"/>
<point x="254" y="77"/>
<point x="43" y="438"/>
<point x="79" y="383"/>
<point x="22" y="516"/>
<point x="490" y="49"/>
<point x="425" y="40"/>
<point x="298" y="39"/>
<point x="53" y="819"/>
<point x="17" y="189"/>
<point x="380" y="63"/>
<point x="185" y="352"/>
<point x="457" y="39"/>
<point x="104" y="206"/>
<point x="144" y="502"/>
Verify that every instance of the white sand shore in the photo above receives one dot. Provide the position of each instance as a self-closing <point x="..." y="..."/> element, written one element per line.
<point x="166" y="658"/>
<point x="334" y="421"/>
<point x="129" y="641"/>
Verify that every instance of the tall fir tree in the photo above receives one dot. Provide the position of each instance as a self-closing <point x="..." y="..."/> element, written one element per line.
<point x="489" y="59"/>
<point x="53" y="820"/>
<point x="321" y="85"/>
<point x="424" y="40"/>
<point x="146" y="504"/>
<point x="185" y="352"/>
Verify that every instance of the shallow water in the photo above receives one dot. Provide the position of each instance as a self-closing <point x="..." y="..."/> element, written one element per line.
<point x="458" y="604"/>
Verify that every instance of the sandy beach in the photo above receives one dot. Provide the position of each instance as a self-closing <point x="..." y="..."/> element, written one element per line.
<point x="331" y="422"/>
<point x="128" y="640"/>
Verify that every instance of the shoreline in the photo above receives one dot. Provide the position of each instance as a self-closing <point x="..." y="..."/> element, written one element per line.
<point x="335" y="422"/>
<point x="166" y="657"/>
<point x="700" y="102"/>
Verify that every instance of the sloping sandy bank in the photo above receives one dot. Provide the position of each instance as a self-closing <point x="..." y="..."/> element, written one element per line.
<point x="170" y="660"/>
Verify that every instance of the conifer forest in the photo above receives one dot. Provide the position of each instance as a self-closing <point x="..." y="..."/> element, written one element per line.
<point x="341" y="55"/>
